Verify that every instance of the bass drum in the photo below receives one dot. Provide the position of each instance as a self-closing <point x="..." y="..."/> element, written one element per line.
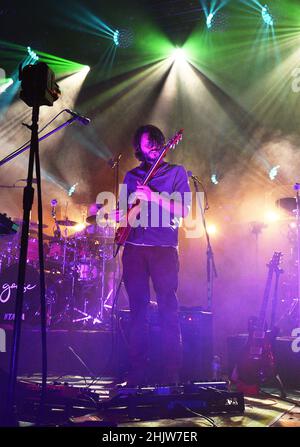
<point x="8" y="291"/>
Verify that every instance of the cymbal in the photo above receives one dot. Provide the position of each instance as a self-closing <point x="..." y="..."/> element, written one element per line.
<point x="289" y="204"/>
<point x="67" y="223"/>
<point x="91" y="219"/>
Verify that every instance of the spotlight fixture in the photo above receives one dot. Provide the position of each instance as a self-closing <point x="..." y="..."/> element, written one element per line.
<point x="267" y="16"/>
<point x="209" y="20"/>
<point x="123" y="38"/>
<point x="32" y="54"/>
<point x="214" y="179"/>
<point x="274" y="172"/>
<point x="212" y="229"/>
<point x="178" y="54"/>
<point x="72" y="190"/>
<point x="80" y="227"/>
<point x="272" y="216"/>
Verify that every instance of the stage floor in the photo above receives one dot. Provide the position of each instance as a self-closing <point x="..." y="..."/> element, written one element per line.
<point x="266" y="410"/>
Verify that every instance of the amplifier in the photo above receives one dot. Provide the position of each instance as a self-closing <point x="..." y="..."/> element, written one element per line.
<point x="197" y="343"/>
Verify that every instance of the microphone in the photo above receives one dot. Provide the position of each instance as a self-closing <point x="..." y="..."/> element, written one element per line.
<point x="194" y="177"/>
<point x="56" y="232"/>
<point x="114" y="161"/>
<point x="53" y="205"/>
<point x="82" y="119"/>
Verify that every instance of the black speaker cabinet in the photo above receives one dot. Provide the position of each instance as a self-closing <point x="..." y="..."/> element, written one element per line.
<point x="196" y="331"/>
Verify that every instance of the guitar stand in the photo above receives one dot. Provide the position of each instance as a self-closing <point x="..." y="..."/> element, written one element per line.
<point x="280" y="386"/>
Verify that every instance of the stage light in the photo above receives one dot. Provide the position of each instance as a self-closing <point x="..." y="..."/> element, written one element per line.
<point x="267" y="16"/>
<point x="80" y="227"/>
<point x="72" y="190"/>
<point x="212" y="229"/>
<point x="178" y="54"/>
<point x="123" y="38"/>
<point x="272" y="216"/>
<point x="274" y="172"/>
<point x="4" y="84"/>
<point x="116" y="37"/>
<point x="32" y="54"/>
<point x="209" y="20"/>
<point x="214" y="179"/>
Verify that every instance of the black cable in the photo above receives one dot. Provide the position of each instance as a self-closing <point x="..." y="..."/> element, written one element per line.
<point x="210" y="420"/>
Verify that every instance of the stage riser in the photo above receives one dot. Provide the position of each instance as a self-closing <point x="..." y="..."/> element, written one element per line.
<point x="95" y="349"/>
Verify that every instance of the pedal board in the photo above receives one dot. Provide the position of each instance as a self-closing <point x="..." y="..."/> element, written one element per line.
<point x="175" y="401"/>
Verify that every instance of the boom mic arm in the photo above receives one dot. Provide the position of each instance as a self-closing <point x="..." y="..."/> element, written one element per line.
<point x="82" y="119"/>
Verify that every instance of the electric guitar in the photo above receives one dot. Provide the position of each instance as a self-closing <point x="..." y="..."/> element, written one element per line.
<point x="257" y="363"/>
<point x="124" y="229"/>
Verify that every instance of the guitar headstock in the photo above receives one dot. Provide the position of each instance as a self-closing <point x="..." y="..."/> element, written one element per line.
<point x="176" y="139"/>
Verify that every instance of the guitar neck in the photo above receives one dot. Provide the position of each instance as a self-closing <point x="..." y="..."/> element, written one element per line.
<point x="263" y="309"/>
<point x="155" y="166"/>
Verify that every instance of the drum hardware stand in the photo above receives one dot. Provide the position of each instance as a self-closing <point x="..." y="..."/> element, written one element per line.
<point x="85" y="316"/>
<point x="210" y="263"/>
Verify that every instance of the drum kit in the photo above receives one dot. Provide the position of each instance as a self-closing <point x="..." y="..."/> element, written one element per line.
<point x="79" y="271"/>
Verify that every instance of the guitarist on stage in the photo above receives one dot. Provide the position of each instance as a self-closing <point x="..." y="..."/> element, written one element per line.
<point x="151" y="251"/>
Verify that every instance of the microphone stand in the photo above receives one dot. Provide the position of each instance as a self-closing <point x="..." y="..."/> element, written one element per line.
<point x="20" y="151"/>
<point x="28" y="196"/>
<point x="210" y="262"/>
<point x="27" y="206"/>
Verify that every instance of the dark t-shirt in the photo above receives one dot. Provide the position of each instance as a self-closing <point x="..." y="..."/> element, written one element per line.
<point x="156" y="226"/>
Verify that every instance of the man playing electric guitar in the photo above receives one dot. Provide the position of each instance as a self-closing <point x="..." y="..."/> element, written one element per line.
<point x="150" y="251"/>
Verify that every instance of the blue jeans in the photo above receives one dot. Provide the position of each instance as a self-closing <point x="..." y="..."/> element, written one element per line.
<point x="161" y="264"/>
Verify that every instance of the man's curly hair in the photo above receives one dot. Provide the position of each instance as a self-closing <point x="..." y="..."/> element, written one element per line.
<point x="155" y="136"/>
